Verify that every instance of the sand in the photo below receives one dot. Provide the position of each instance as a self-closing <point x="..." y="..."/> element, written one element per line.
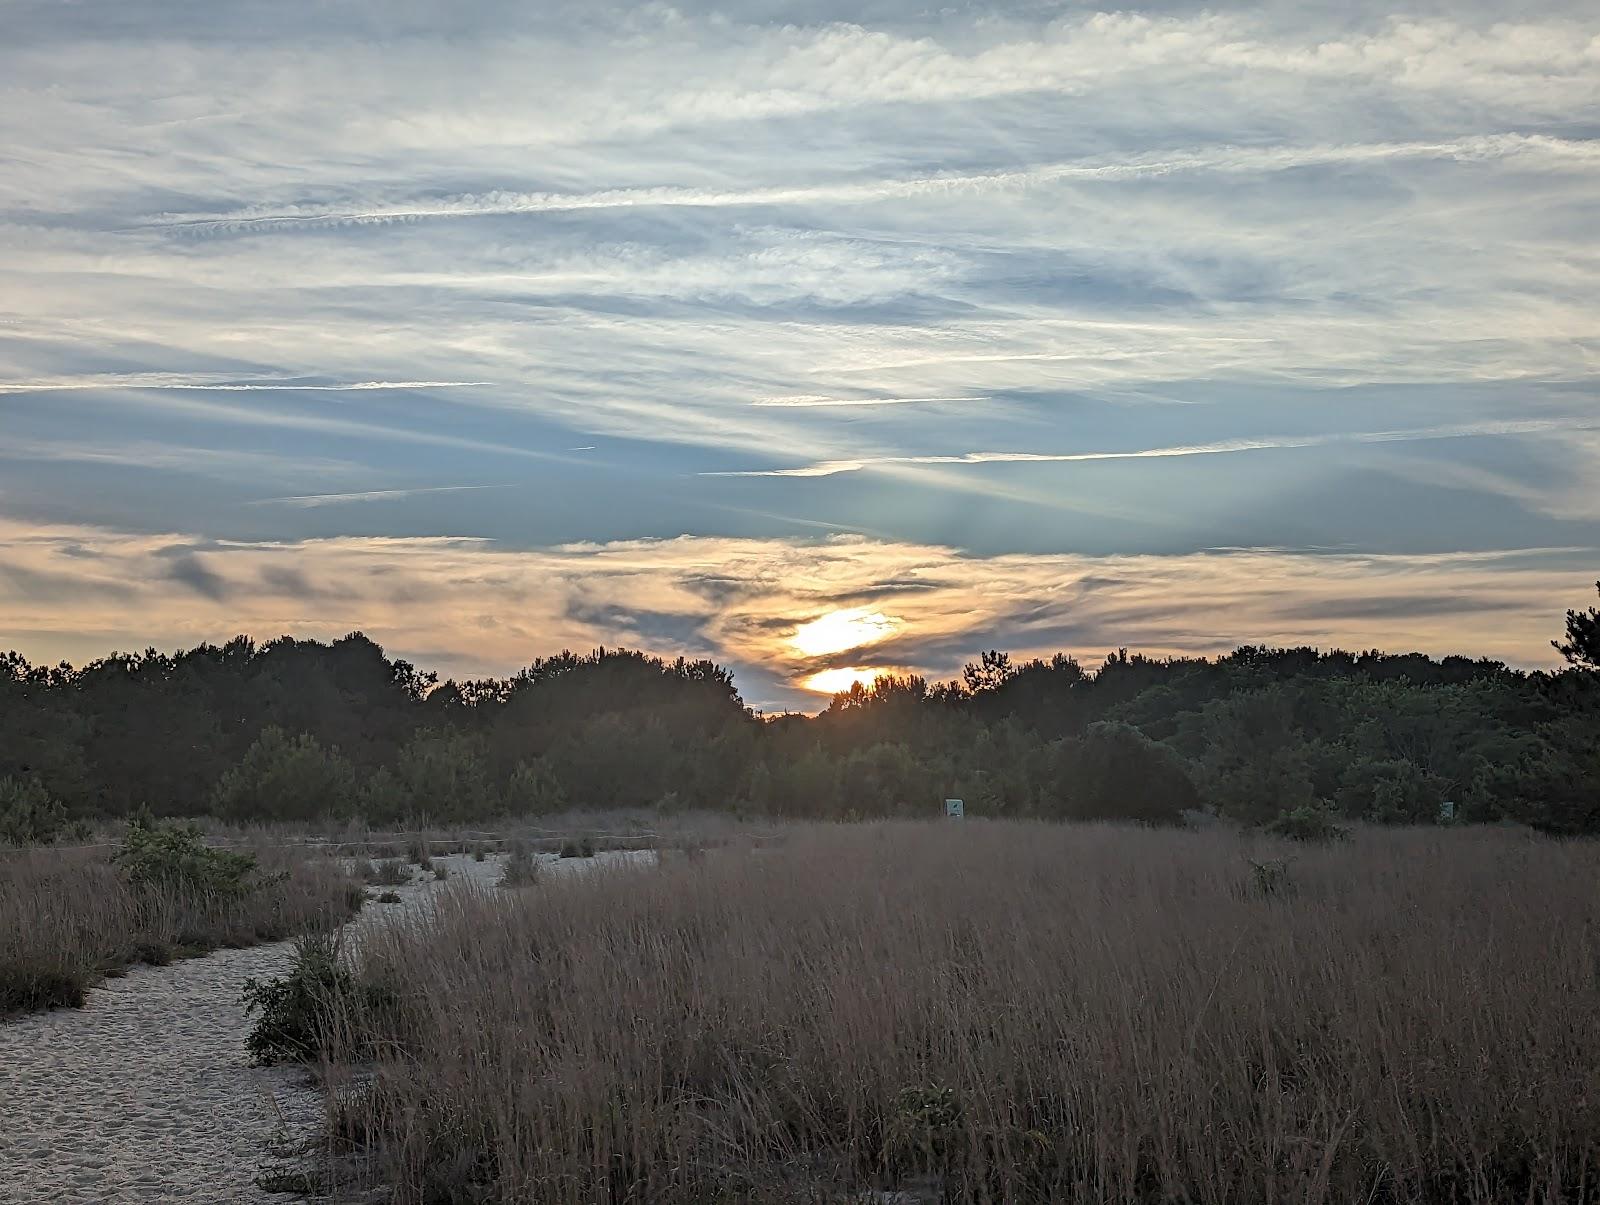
<point x="147" y="1093"/>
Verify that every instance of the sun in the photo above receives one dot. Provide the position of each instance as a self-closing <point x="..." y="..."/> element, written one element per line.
<point x="832" y="681"/>
<point x="841" y="630"/>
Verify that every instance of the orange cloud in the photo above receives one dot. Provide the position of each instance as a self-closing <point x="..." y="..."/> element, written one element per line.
<point x="470" y="606"/>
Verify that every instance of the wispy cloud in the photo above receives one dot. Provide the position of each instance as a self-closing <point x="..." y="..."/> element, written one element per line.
<point x="737" y="253"/>
<point x="100" y="383"/>
<point x="811" y="401"/>
<point x="1543" y="150"/>
<point x="312" y="501"/>
<point x="829" y="468"/>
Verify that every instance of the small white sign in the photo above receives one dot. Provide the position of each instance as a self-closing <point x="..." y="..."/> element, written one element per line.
<point x="954" y="808"/>
<point x="1447" y="811"/>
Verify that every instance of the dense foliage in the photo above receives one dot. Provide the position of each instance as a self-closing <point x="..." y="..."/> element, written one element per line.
<point x="301" y="730"/>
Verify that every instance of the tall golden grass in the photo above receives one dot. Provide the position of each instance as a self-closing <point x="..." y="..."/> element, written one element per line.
<point x="1001" y="1012"/>
<point x="68" y="918"/>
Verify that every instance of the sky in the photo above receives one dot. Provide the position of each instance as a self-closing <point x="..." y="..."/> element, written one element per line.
<point x="818" y="338"/>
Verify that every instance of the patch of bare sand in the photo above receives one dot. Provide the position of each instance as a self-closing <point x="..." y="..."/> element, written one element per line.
<point x="147" y="1093"/>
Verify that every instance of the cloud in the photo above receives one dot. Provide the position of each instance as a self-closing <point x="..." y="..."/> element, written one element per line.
<point x="1280" y="443"/>
<point x="811" y="400"/>
<point x="1548" y="152"/>
<point x="190" y="571"/>
<point x="168" y="381"/>
<point x="483" y="608"/>
<point x="312" y="501"/>
<point x="364" y="246"/>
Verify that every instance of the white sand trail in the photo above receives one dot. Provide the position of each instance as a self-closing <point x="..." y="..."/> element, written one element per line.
<point x="147" y="1094"/>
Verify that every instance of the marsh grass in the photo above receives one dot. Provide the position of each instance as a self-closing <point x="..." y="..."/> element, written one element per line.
<point x="68" y="918"/>
<point x="1003" y="1012"/>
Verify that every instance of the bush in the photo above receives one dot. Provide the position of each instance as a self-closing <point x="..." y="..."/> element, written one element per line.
<point x="295" y="1015"/>
<point x="391" y="872"/>
<point x="578" y="847"/>
<point x="389" y="897"/>
<point x="28" y="815"/>
<point x="173" y="857"/>
<point x="521" y="869"/>
<point x="318" y="1008"/>
<point x="1309" y="823"/>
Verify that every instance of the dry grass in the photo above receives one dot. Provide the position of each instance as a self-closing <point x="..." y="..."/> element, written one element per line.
<point x="1003" y="1012"/>
<point x="68" y="918"/>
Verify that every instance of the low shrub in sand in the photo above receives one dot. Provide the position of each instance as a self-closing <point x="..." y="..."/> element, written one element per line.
<point x="69" y="917"/>
<point x="995" y="1012"/>
<point x="300" y="1016"/>
<point x="391" y="872"/>
<point x="521" y="868"/>
<point x="578" y="847"/>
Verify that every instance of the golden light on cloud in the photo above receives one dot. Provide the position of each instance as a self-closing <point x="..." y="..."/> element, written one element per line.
<point x="832" y="681"/>
<point x="841" y="630"/>
<point x="473" y="608"/>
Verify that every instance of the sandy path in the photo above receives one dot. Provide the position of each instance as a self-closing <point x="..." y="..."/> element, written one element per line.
<point x="147" y="1094"/>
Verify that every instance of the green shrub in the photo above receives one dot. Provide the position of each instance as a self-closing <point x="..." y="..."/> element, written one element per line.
<point x="318" y="1008"/>
<point x="1309" y="823"/>
<point x="174" y="857"/>
<point x="389" y="897"/>
<point x="28" y="815"/>
<point x="578" y="847"/>
<point x="419" y="851"/>
<point x="295" y="1014"/>
<point x="441" y="872"/>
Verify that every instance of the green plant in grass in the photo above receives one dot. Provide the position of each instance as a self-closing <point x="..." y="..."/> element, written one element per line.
<point x="1309" y="822"/>
<point x="295" y="1014"/>
<point x="320" y="1007"/>
<point x="174" y="857"/>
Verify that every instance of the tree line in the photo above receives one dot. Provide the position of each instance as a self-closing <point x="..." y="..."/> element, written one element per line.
<point x="302" y="730"/>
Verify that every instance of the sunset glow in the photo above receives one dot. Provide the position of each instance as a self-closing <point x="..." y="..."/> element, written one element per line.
<point x="832" y="681"/>
<point x="841" y="630"/>
<point x="875" y="334"/>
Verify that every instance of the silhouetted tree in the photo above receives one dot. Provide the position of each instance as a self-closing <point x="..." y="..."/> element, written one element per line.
<point x="1582" y="645"/>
